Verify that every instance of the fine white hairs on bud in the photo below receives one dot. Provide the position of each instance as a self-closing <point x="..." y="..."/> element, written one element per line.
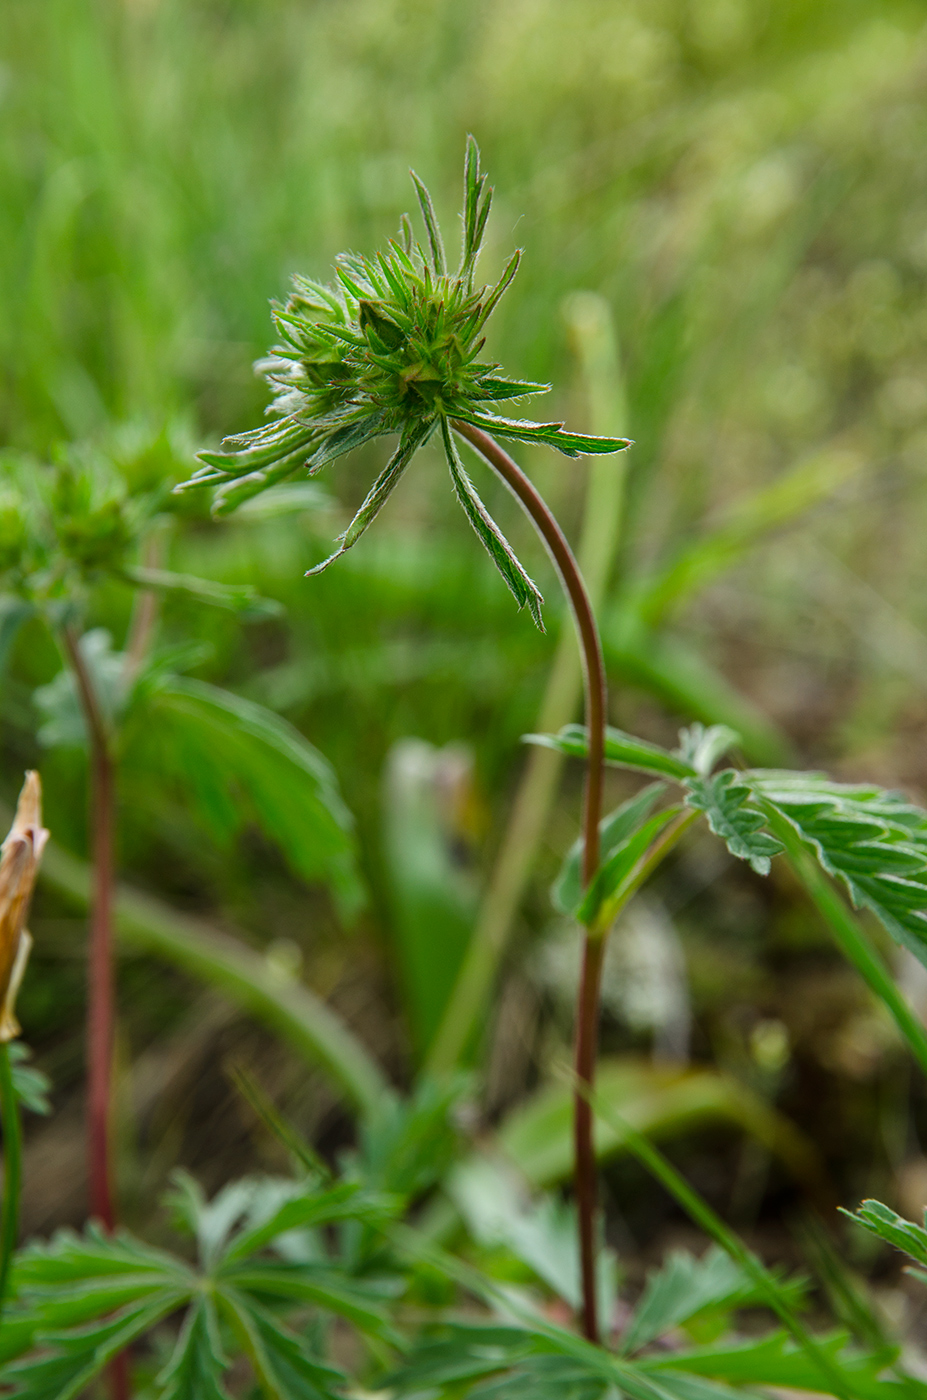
<point x="19" y="863"/>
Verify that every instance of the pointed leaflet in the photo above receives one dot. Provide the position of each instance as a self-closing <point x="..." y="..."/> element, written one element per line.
<point x="724" y="799"/>
<point x="872" y="840"/>
<point x="523" y="588"/>
<point x="552" y="434"/>
<point x="614" y="829"/>
<point x="194" y="1371"/>
<point x="376" y="497"/>
<point x="438" y="260"/>
<point x="283" y="438"/>
<point x="623" y="750"/>
<point x="344" y="439"/>
<point x="234" y="755"/>
<point x="490" y="387"/>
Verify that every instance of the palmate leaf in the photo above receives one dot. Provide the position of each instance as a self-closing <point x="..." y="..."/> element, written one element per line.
<point x="241" y="761"/>
<point x="726" y="802"/>
<point x="874" y="842"/>
<point x="522" y="587"/>
<point x="685" y="1287"/>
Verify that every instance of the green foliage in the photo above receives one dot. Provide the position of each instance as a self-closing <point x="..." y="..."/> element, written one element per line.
<point x="391" y="347"/>
<point x="433" y="894"/>
<point x="872" y="840"/>
<point x="685" y="1288"/>
<point x="603" y="895"/>
<point x="30" y="1085"/>
<point x="80" y="1299"/>
<point x="614" y="832"/>
<point x="238" y="761"/>
<point x="887" y="1225"/>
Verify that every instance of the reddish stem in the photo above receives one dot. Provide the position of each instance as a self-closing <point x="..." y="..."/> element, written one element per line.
<point x="100" y="979"/>
<point x="587" y="1015"/>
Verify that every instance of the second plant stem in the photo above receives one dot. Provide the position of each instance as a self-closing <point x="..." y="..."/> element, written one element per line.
<point x="100" y="990"/>
<point x="100" y="980"/>
<point x="587" y="1016"/>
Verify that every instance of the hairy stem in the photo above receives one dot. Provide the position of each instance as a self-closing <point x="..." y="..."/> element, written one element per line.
<point x="100" y="979"/>
<point x="12" y="1169"/>
<point x="596" y="701"/>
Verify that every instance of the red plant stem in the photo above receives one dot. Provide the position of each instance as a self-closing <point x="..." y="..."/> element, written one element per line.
<point x="100" y="981"/>
<point x="587" y="1016"/>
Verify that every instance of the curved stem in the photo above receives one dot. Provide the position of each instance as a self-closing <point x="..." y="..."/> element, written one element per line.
<point x="12" y="1169"/>
<point x="596" y="703"/>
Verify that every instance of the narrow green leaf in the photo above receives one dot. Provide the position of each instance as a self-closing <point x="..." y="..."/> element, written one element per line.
<point x="498" y="291"/>
<point x="438" y="259"/>
<point x="324" y="1288"/>
<point x="194" y="1370"/>
<point x="614" y="829"/>
<point x="490" y="387"/>
<point x="378" y="494"/>
<point x="612" y="873"/>
<point x="622" y="750"/>
<point x="522" y="587"/>
<point x="343" y="1201"/>
<point x="231" y="755"/>
<point x="552" y="434"/>
<point x="241" y="598"/>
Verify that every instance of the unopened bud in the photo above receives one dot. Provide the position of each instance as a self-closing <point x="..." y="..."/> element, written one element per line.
<point x="19" y="863"/>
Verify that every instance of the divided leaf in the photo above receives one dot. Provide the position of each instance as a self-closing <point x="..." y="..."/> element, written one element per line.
<point x="725" y="801"/>
<point x="873" y="841"/>
<point x="685" y="1287"/>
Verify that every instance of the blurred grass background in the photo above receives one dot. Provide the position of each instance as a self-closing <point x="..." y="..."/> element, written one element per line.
<point x="743" y="186"/>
